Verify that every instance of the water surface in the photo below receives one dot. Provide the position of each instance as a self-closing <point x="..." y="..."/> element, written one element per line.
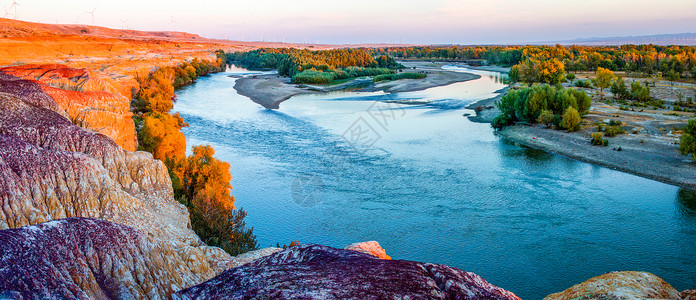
<point x="431" y="186"/>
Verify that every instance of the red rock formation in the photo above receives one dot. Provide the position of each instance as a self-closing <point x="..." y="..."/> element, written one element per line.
<point x="320" y="272"/>
<point x="87" y="99"/>
<point x="372" y="247"/>
<point x="64" y="77"/>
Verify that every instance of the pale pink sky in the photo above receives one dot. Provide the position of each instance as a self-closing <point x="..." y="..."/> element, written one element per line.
<point x="371" y="21"/>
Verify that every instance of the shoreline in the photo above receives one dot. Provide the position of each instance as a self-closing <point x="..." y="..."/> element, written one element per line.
<point x="651" y="159"/>
<point x="270" y="90"/>
<point x="644" y="155"/>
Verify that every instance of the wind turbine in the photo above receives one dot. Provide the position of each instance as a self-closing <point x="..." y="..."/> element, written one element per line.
<point x="7" y="13"/>
<point x="92" y="14"/>
<point x="125" y="23"/>
<point x="77" y="20"/>
<point x="14" y="4"/>
<point x="173" y="24"/>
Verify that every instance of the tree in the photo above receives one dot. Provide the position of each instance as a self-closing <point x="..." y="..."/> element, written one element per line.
<point x="571" y="119"/>
<point x="640" y="92"/>
<point x="687" y="142"/>
<point x="672" y="76"/>
<point x="604" y="78"/>
<point x="546" y="117"/>
<point x="514" y="73"/>
<point x="202" y="183"/>
<point x="160" y="135"/>
<point x="619" y="89"/>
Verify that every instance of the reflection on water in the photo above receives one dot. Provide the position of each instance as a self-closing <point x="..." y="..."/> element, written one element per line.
<point x="438" y="188"/>
<point x="687" y="205"/>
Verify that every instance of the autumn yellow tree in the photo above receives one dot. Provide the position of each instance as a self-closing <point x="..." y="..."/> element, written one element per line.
<point x="551" y="71"/>
<point x="571" y="119"/>
<point x="160" y="135"/>
<point x="202" y="183"/>
<point x="604" y="79"/>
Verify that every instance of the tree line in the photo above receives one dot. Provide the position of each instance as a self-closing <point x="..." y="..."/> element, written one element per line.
<point x="670" y="61"/>
<point x="318" y="66"/>
<point x="200" y="181"/>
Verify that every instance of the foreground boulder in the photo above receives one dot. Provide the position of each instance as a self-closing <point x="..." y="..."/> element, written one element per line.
<point x="620" y="285"/>
<point x="80" y="258"/>
<point x="320" y="272"/>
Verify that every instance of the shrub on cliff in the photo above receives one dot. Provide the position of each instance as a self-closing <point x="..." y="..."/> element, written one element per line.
<point x="687" y="142"/>
<point x="202" y="183"/>
<point x="160" y="135"/>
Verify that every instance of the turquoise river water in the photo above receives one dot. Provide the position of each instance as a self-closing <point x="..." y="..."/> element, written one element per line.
<point x="431" y="186"/>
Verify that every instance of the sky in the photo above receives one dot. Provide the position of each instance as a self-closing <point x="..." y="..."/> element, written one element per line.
<point x="375" y="21"/>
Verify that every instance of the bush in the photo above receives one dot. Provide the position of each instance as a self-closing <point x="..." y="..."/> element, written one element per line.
<point x="640" y="92"/>
<point x="597" y="139"/>
<point x="570" y="76"/>
<point x="407" y="75"/>
<point x="619" y="89"/>
<point x="314" y="77"/>
<point x="583" y="83"/>
<point x="687" y="142"/>
<point x="546" y="117"/>
<point x="571" y="119"/>
<point x="613" y="131"/>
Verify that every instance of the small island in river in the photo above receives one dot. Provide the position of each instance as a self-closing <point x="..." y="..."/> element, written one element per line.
<point x="269" y="90"/>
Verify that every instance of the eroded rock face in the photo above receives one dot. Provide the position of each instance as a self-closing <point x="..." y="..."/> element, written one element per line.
<point x="688" y="295"/>
<point x="372" y="247"/>
<point x="88" y="100"/>
<point x="51" y="169"/>
<point x="620" y="285"/>
<point x="80" y="258"/>
<point x="320" y="272"/>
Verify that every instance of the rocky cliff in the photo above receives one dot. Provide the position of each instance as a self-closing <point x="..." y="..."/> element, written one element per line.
<point x="320" y="272"/>
<point x="52" y="169"/>
<point x="87" y="99"/>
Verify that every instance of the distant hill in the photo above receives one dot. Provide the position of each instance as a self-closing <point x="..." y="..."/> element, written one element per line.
<point x="688" y="39"/>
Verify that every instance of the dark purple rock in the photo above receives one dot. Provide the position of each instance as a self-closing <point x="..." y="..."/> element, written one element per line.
<point x="76" y="258"/>
<point x="320" y="272"/>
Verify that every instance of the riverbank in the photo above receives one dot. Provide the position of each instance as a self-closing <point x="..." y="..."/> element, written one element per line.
<point x="649" y="148"/>
<point x="270" y="90"/>
<point x="644" y="156"/>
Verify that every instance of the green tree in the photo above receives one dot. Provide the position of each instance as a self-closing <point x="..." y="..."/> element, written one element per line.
<point x="687" y="142"/>
<point x="546" y="117"/>
<point x="672" y="76"/>
<point x="604" y="78"/>
<point x="571" y="119"/>
<point x="619" y="89"/>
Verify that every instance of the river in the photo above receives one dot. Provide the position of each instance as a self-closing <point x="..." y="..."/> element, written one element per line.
<point x="431" y="186"/>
